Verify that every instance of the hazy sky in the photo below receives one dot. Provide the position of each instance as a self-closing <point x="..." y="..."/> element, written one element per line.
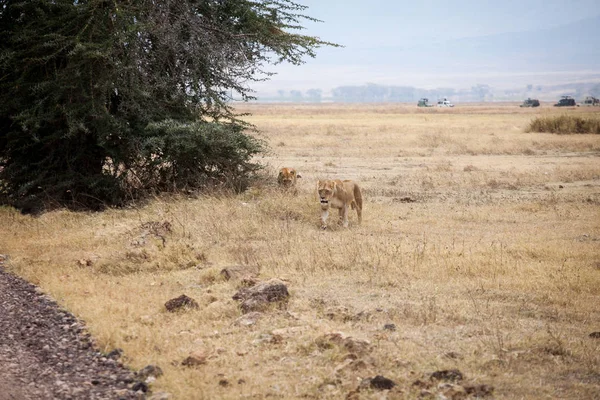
<point x="362" y="25"/>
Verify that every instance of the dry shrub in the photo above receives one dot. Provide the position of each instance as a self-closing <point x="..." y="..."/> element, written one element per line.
<point x="565" y="124"/>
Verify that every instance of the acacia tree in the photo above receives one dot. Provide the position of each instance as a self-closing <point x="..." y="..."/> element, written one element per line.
<point x="104" y="101"/>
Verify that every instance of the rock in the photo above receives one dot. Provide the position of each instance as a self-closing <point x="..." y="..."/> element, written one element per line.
<point x="140" y="386"/>
<point x="181" y="302"/>
<point x="85" y="262"/>
<point x="421" y="384"/>
<point x="267" y="338"/>
<point x="452" y="391"/>
<point x="595" y="335"/>
<point x="240" y="272"/>
<point x="452" y="375"/>
<point x="351" y="344"/>
<point x="260" y="296"/>
<point x="248" y="319"/>
<point x="149" y="370"/>
<point x="479" y="390"/>
<point x="195" y="358"/>
<point x="115" y="354"/>
<point x="389" y="327"/>
<point x="382" y="383"/>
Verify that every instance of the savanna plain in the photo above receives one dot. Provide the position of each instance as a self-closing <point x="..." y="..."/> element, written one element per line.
<point x="479" y="251"/>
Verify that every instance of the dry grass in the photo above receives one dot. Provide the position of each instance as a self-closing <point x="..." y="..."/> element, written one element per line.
<point x="480" y="242"/>
<point x="565" y="124"/>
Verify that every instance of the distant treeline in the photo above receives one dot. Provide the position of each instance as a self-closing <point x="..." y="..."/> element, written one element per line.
<point x="374" y="93"/>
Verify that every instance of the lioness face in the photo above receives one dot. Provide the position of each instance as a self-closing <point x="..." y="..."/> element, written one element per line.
<point x="287" y="177"/>
<point x="325" y="190"/>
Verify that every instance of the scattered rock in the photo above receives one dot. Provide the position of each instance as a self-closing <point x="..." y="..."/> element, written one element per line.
<point x="223" y="382"/>
<point x="147" y="371"/>
<point x="452" y="391"/>
<point x="180" y="302"/>
<point x="249" y="281"/>
<point x="115" y="354"/>
<point x="405" y="199"/>
<point x="452" y="375"/>
<point x="338" y="313"/>
<point x="421" y="384"/>
<point x="260" y="296"/>
<point x="595" y="335"/>
<point x="248" y="319"/>
<point x="140" y="386"/>
<point x="382" y="383"/>
<point x="195" y="358"/>
<point x="85" y="262"/>
<point x="389" y="327"/>
<point x="351" y="364"/>
<point x="480" y="390"/>
<point x="46" y="353"/>
<point x="240" y="272"/>
<point x="267" y="338"/>
<point x="351" y="344"/>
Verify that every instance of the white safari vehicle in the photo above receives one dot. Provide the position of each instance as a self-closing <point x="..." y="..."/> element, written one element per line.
<point x="444" y="103"/>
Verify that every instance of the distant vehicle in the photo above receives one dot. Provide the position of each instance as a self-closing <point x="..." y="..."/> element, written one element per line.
<point x="530" y="103"/>
<point x="444" y="103"/>
<point x="591" y="101"/>
<point x="566" y="101"/>
<point x="424" y="102"/>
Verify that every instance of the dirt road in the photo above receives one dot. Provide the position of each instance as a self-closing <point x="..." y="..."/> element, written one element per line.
<point x="46" y="354"/>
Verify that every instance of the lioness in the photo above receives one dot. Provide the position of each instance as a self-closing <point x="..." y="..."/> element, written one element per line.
<point x="341" y="195"/>
<point x="287" y="178"/>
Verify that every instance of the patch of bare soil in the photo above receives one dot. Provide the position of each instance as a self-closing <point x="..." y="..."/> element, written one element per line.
<point x="45" y="352"/>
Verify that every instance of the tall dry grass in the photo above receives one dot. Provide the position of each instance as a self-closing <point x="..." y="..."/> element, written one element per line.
<point x="565" y="124"/>
<point x="479" y="243"/>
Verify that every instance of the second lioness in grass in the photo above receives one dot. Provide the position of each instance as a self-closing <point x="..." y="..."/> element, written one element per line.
<point x="287" y="178"/>
<point x="341" y="195"/>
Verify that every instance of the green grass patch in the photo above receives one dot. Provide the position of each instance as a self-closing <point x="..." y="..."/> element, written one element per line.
<point x="565" y="124"/>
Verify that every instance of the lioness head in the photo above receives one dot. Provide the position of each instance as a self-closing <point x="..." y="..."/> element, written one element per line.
<point x="287" y="177"/>
<point x="326" y="190"/>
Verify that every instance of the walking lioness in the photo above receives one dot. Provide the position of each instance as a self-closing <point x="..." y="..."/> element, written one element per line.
<point x="341" y="195"/>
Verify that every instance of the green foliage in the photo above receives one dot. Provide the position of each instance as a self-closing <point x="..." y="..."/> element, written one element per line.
<point x="565" y="124"/>
<point x="180" y="156"/>
<point x="102" y="102"/>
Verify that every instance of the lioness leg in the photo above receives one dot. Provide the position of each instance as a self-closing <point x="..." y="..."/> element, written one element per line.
<point x="344" y="215"/>
<point x="324" y="215"/>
